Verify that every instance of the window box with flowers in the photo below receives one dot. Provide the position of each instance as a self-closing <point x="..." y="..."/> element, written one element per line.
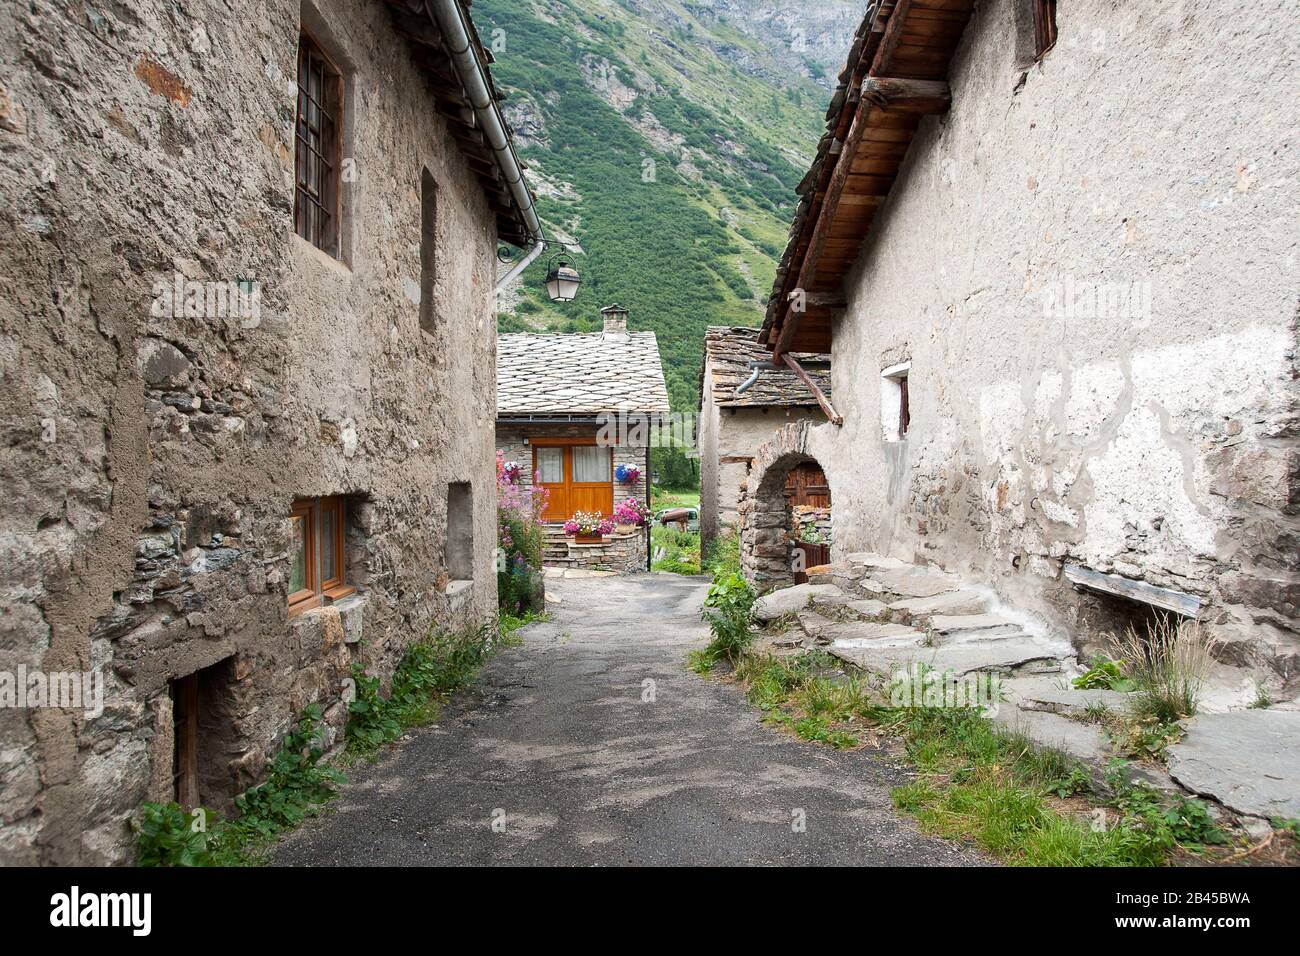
<point x="587" y="527"/>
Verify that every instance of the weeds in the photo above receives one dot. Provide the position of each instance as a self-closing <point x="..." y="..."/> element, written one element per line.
<point x="1168" y="667"/>
<point x="297" y="787"/>
<point x="1104" y="674"/>
<point x="727" y="611"/>
<point x="429" y="670"/>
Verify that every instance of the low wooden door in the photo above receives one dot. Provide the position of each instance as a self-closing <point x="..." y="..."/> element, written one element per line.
<point x="577" y="477"/>
<point x="806" y="485"/>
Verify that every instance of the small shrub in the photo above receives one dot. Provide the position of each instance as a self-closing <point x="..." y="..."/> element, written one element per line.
<point x="166" y="836"/>
<point x="727" y="612"/>
<point x="1168" y="667"/>
<point x="1104" y="674"/>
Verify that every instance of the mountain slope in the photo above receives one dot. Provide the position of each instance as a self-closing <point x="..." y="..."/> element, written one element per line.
<point x="666" y="138"/>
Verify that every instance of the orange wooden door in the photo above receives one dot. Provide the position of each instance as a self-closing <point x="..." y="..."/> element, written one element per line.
<point x="577" y="478"/>
<point x="551" y="465"/>
<point x="591" y="474"/>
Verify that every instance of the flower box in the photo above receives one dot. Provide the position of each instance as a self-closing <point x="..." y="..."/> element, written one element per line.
<point x="626" y="528"/>
<point x="588" y="539"/>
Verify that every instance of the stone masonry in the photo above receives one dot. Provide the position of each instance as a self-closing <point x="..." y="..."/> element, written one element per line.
<point x="149" y="460"/>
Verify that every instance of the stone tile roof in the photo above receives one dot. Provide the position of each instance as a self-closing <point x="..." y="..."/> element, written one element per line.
<point x="728" y="353"/>
<point x="572" y="374"/>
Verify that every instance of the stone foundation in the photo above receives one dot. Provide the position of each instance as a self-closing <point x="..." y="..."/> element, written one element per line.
<point x="619" y="553"/>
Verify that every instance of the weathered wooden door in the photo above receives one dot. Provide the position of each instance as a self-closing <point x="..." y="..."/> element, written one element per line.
<point x="806" y="485"/>
<point x="185" y="755"/>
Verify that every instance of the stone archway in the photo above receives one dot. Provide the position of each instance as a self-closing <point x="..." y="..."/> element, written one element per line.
<point x="767" y="517"/>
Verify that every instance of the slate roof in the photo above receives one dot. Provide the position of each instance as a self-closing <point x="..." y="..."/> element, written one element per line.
<point x="579" y="374"/>
<point x="727" y="354"/>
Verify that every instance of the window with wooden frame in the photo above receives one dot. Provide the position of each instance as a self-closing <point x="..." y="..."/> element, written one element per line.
<point x="895" y="405"/>
<point x="1044" y="27"/>
<point x="317" y="556"/>
<point x="317" y="147"/>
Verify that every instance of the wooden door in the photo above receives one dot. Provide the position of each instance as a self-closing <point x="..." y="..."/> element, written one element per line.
<point x="591" y="474"/>
<point x="806" y="485"/>
<point x="550" y="464"/>
<point x="578" y="477"/>
<point x="185" y="756"/>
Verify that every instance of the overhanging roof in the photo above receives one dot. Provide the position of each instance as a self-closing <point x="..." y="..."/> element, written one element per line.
<point x="896" y="75"/>
<point x="413" y="20"/>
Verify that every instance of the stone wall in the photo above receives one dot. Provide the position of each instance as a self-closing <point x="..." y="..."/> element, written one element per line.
<point x="149" y="461"/>
<point x="729" y="438"/>
<point x="1145" y="157"/>
<point x="618" y="553"/>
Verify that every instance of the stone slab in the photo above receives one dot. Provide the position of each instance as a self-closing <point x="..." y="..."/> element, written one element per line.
<point x="996" y="656"/>
<point x="1054" y="695"/>
<point x="1248" y="760"/>
<point x="814" y="624"/>
<point x="868" y="608"/>
<point x="778" y="603"/>
<point x="858" y="634"/>
<point x="910" y="582"/>
<point x="1084" y="742"/>
<point x="867" y="559"/>
<point x="950" y="602"/>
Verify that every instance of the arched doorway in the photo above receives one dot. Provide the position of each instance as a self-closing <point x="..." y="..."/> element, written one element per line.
<point x="786" y="512"/>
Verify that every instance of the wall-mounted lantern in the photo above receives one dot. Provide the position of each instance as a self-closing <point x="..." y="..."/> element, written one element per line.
<point x="562" y="279"/>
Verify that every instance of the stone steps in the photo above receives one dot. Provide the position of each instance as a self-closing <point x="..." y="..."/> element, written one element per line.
<point x="885" y="616"/>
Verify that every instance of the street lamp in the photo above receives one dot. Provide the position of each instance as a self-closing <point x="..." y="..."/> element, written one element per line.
<point x="562" y="279"/>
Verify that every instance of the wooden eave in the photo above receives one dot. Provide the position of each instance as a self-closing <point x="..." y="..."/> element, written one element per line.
<point x="896" y="75"/>
<point x="411" y="21"/>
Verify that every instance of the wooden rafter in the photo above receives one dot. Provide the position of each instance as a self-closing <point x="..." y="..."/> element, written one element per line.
<point x="825" y="403"/>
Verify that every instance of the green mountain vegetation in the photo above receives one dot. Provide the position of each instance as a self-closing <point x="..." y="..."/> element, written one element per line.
<point x="666" y="142"/>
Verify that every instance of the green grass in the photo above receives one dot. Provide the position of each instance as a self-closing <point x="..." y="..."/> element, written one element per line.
<point x="677" y="552"/>
<point x="662" y="498"/>
<point x="976" y="782"/>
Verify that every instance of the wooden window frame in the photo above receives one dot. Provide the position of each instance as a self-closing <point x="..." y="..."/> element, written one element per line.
<point x="1044" y="27"/>
<point x="322" y="230"/>
<point x="904" y="408"/>
<point x="311" y="511"/>
<point x="308" y="597"/>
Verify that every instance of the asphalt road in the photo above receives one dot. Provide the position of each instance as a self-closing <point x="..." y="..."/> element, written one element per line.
<point x="565" y="755"/>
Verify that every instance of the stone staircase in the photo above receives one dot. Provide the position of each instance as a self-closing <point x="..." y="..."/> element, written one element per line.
<point x="555" y="548"/>
<point x="883" y="616"/>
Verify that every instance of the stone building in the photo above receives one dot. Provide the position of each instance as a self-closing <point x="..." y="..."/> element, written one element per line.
<point x="1051" y="251"/>
<point x="246" y="339"/>
<point x="734" y="423"/>
<point x="575" y="411"/>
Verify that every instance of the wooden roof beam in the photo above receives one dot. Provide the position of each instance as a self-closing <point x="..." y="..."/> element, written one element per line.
<point x="833" y="416"/>
<point x="912" y="96"/>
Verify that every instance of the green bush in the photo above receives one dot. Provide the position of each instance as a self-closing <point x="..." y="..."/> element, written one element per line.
<point x="429" y="670"/>
<point x="297" y="787"/>
<point x="727" y="612"/>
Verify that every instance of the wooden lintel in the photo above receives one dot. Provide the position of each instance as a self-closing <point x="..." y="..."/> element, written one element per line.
<point x="1167" y="599"/>
<point x="915" y="96"/>
<point x="822" y="400"/>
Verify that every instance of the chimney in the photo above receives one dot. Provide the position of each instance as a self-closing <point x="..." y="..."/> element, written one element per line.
<point x="615" y="321"/>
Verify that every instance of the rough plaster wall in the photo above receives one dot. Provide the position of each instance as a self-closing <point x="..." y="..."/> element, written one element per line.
<point x="1152" y="145"/>
<point x="149" y="463"/>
